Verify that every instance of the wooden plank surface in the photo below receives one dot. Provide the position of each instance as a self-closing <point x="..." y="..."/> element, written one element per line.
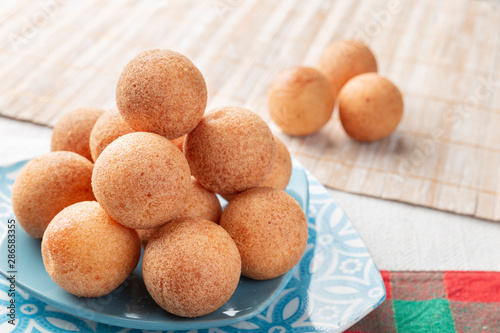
<point x="58" y="55"/>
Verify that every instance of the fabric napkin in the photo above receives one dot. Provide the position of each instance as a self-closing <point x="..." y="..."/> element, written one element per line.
<point x="444" y="302"/>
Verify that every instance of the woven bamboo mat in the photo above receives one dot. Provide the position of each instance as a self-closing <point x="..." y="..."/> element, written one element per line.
<point x="58" y="55"/>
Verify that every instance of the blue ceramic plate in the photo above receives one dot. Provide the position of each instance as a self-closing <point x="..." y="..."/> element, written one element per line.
<point x="335" y="285"/>
<point x="130" y="304"/>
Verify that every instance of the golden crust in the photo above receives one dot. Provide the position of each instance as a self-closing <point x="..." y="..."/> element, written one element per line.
<point x="142" y="180"/>
<point x="109" y="127"/>
<point x="72" y="131"/>
<point x="282" y="167"/>
<point x="232" y="149"/>
<point x="280" y="173"/>
<point x="301" y="100"/>
<point x="191" y="267"/>
<point x="370" y="107"/>
<point x="48" y="184"/>
<point x="87" y="253"/>
<point x="344" y="59"/>
<point x="269" y="229"/>
<point x="201" y="204"/>
<point x="161" y="91"/>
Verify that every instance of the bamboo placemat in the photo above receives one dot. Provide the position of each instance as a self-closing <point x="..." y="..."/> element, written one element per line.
<point x="58" y="55"/>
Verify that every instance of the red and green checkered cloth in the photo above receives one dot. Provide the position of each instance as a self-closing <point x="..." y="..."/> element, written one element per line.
<point x="436" y="302"/>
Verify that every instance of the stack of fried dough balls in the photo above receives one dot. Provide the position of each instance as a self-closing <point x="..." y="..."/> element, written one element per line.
<point x="370" y="106"/>
<point x="159" y="161"/>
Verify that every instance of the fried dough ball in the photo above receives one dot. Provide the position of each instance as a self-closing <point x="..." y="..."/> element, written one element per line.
<point x="142" y="180"/>
<point x="109" y="127"/>
<point x="201" y="204"/>
<point x="370" y="107"/>
<point x="86" y="253"/>
<point x="269" y="229"/>
<point x="301" y="100"/>
<point x="191" y="267"/>
<point x="161" y="91"/>
<point x="280" y="172"/>
<point x="282" y="167"/>
<point x="231" y="150"/>
<point x="344" y="59"/>
<point x="48" y="184"/>
<point x="72" y="131"/>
